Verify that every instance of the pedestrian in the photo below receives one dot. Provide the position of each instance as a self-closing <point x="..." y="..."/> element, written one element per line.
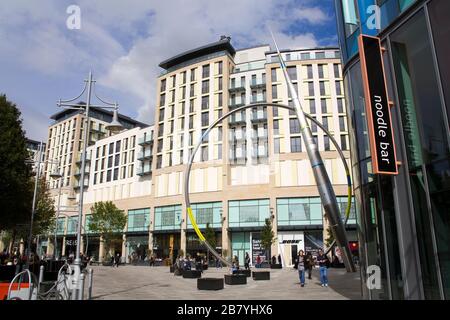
<point x="117" y="260"/>
<point x="258" y="261"/>
<point x="247" y="261"/>
<point x="301" y="267"/>
<point x="324" y="262"/>
<point x="279" y="258"/>
<point x="309" y="264"/>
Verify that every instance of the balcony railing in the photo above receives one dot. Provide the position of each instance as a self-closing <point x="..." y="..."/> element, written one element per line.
<point x="235" y="104"/>
<point x="258" y="84"/>
<point x="88" y="157"/>
<point x="259" y="134"/>
<point x="78" y="171"/>
<point x="259" y="116"/>
<point x="236" y="88"/>
<point x="259" y="153"/>
<point x="146" y="140"/>
<point x="236" y="119"/>
<point x="258" y="99"/>
<point x="144" y="170"/>
<point x="145" y="155"/>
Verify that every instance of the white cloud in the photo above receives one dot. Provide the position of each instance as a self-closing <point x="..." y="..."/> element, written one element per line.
<point x="124" y="41"/>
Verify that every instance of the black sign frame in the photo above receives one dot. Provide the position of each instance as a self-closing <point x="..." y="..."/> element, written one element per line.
<point x="379" y="121"/>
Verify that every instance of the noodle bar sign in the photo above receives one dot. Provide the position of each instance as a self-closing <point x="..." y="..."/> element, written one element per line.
<point x="378" y="111"/>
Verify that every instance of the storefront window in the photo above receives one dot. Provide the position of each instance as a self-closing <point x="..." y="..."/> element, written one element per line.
<point x="299" y="211"/>
<point x="248" y="213"/>
<point x="138" y="219"/>
<point x="72" y="225"/>
<point x="61" y="226"/>
<point x="168" y="218"/>
<point x="205" y="213"/>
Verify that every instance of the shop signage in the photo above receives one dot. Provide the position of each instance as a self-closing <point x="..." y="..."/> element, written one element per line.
<point x="382" y="145"/>
<point x="257" y="248"/>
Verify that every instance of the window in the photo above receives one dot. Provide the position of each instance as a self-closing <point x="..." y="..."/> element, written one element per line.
<point x="204" y="154"/>
<point x="320" y="55"/>
<point x="220" y="67"/>
<point x="219" y="100"/>
<point x="110" y="161"/>
<point x="205" y="86"/>
<point x="276" y="127"/>
<point x="205" y="102"/>
<point x="160" y="146"/>
<point x="340" y="105"/>
<point x="124" y="172"/>
<point x="322" y="88"/>
<point x="219" y="133"/>
<point x="191" y="122"/>
<point x="192" y="75"/>
<point x="243" y="82"/>
<point x="118" y="146"/>
<point x="117" y="160"/>
<point x="116" y="174"/>
<point x="313" y="126"/>
<point x="160" y="130"/>
<point x="276" y="145"/>
<point x="326" y="143"/>
<point x="220" y="85"/>
<point x="191" y="105"/>
<point x="183" y="93"/>
<point x="311" y="89"/>
<point x="312" y="106"/>
<point x="205" y="119"/>
<point x="292" y="72"/>
<point x="205" y="71"/>
<point x="108" y="176"/>
<point x="305" y="56"/>
<point x="173" y="81"/>
<point x="323" y="105"/>
<point x="325" y="122"/>
<point x="138" y="220"/>
<point x="294" y="125"/>
<point x="274" y="92"/>
<point x="162" y="100"/>
<point x="183" y="77"/>
<point x="274" y="74"/>
<point x="321" y="73"/>
<point x="111" y="148"/>
<point x="296" y="144"/>
<point x="192" y="90"/>
<point x="338" y="88"/>
<point x="163" y="85"/>
<point x="309" y="71"/>
<point x="342" y="123"/>
<point x="343" y="142"/>
<point x="337" y="73"/>
<point x="158" y="162"/>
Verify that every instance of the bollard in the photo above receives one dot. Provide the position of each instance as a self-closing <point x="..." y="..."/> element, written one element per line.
<point x="41" y="278"/>
<point x="81" y="291"/>
<point x="91" y="278"/>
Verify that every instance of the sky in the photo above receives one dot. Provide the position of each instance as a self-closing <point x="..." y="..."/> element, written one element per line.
<point x="122" y="42"/>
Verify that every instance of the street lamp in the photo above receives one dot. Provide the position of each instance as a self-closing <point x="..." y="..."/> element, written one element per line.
<point x="56" y="174"/>
<point x="113" y="126"/>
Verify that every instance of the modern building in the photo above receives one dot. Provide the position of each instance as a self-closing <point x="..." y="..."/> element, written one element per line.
<point x="251" y="167"/>
<point x="33" y="149"/>
<point x="404" y="219"/>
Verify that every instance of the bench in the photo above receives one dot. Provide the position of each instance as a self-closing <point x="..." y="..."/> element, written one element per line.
<point x="261" y="275"/>
<point x="192" y="274"/>
<point x="210" y="284"/>
<point x="233" y="279"/>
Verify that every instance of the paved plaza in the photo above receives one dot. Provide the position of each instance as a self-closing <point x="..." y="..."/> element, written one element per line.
<point x="143" y="282"/>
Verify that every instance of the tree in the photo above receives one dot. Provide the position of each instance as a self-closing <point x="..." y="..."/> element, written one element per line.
<point x="210" y="237"/>
<point x="267" y="237"/>
<point x="15" y="183"/>
<point x="44" y="218"/>
<point x="330" y="237"/>
<point x="108" y="221"/>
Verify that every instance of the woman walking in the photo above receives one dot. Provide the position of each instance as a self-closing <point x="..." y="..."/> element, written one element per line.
<point x="301" y="267"/>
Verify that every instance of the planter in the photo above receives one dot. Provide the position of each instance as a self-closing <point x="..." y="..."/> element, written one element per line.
<point x="276" y="266"/>
<point x="210" y="284"/>
<point x="261" y="275"/>
<point x="247" y="273"/>
<point x="192" y="274"/>
<point x="233" y="279"/>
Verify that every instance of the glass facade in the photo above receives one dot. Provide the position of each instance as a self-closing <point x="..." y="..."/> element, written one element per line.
<point x="138" y="220"/>
<point x="168" y="218"/>
<point x="248" y="213"/>
<point x="72" y="225"/>
<point x="403" y="221"/>
<point x="204" y="213"/>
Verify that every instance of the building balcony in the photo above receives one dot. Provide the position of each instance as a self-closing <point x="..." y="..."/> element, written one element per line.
<point x="146" y="140"/>
<point x="235" y="104"/>
<point x="78" y="171"/>
<point x="258" y="99"/>
<point x="145" y="155"/>
<point x="98" y="130"/>
<point x="259" y="153"/>
<point x="258" y="84"/>
<point x="259" y="117"/>
<point x="236" y="119"/>
<point x="236" y="88"/>
<point x="144" y="170"/>
<point x="77" y="186"/>
<point x="88" y="158"/>
<point x="260" y="134"/>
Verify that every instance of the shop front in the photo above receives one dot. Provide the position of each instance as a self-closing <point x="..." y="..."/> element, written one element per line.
<point x="136" y="248"/>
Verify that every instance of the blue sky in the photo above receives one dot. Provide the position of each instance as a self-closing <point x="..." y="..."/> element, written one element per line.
<point x="122" y="42"/>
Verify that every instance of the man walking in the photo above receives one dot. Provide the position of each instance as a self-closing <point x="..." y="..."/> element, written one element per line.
<point x="301" y="267"/>
<point x="323" y="261"/>
<point x="309" y="264"/>
<point x="247" y="261"/>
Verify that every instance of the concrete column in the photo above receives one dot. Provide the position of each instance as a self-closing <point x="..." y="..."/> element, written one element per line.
<point x="101" y="250"/>
<point x="63" y="247"/>
<point x="124" y="248"/>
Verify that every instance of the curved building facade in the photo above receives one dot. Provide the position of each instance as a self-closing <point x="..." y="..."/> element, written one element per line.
<point x="403" y="220"/>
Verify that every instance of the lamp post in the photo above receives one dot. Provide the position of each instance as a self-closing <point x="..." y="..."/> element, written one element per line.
<point x="56" y="174"/>
<point x="115" y="125"/>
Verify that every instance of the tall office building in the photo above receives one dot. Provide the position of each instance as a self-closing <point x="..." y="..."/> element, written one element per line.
<point x="253" y="166"/>
<point x="404" y="219"/>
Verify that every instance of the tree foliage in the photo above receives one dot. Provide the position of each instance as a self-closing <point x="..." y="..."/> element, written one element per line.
<point x="267" y="236"/>
<point x="210" y="236"/>
<point x="107" y="220"/>
<point x="15" y="184"/>
<point x="44" y="218"/>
